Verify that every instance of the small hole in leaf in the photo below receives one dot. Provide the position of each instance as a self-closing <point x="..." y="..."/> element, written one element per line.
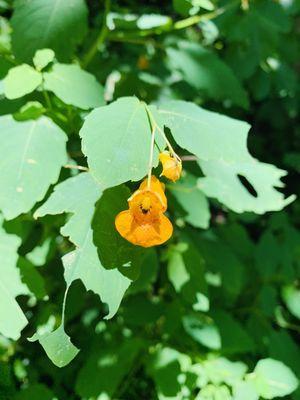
<point x="247" y="185"/>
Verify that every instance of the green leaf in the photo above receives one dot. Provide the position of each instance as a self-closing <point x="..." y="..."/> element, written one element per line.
<point x="37" y="157"/>
<point x="282" y="347"/>
<point x="186" y="272"/>
<point x="203" y="70"/>
<point x="202" y="330"/>
<point x="78" y="195"/>
<point x="222" y="182"/>
<point x="114" y="251"/>
<point x="192" y="200"/>
<point x="31" y="110"/>
<point x="110" y="362"/>
<point x="222" y="370"/>
<point x="291" y="297"/>
<point x="20" y="81"/>
<point x="208" y="135"/>
<point x="234" y="337"/>
<point x="57" y="346"/>
<point x="35" y="391"/>
<point x="211" y="392"/>
<point x="12" y="319"/>
<point x="42" y="58"/>
<point x="74" y="86"/>
<point x="244" y="391"/>
<point x="33" y="279"/>
<point x="148" y="275"/>
<point x="220" y="143"/>
<point x="273" y="379"/>
<point x="108" y="136"/>
<point x="166" y="366"/>
<point x="54" y="24"/>
<point x="38" y="255"/>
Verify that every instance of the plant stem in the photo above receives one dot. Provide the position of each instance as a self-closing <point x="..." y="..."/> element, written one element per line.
<point x="151" y="157"/>
<point x="100" y="39"/>
<point x="47" y="99"/>
<point x="195" y="19"/>
<point x="189" y="158"/>
<point x="78" y="167"/>
<point x="162" y="133"/>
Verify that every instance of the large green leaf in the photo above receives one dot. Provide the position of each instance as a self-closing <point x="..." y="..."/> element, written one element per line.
<point x="220" y="143"/>
<point x="21" y="80"/>
<point x="223" y="183"/>
<point x="31" y="156"/>
<point x="74" y="86"/>
<point x="205" y="71"/>
<point x="273" y="379"/>
<point x="109" y="136"/>
<point x="57" y="24"/>
<point x="78" y="195"/>
<point x="208" y="135"/>
<point x="12" y="319"/>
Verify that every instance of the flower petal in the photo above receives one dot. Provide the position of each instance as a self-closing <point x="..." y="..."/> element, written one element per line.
<point x="145" y="235"/>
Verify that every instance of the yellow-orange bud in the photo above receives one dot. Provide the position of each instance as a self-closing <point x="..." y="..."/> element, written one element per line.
<point x="172" y="166"/>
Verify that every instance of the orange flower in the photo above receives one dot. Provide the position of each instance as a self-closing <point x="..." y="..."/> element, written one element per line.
<point x="172" y="166"/>
<point x="144" y="224"/>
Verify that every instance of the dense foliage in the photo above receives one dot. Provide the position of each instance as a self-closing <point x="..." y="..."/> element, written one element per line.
<point x="213" y="314"/>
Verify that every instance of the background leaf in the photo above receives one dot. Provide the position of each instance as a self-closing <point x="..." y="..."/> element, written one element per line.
<point x="54" y="24"/>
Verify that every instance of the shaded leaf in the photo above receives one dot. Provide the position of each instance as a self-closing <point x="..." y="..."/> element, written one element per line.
<point x="205" y="71"/>
<point x="54" y="24"/>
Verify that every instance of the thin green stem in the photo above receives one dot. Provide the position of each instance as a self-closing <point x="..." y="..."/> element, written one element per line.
<point x="100" y="39"/>
<point x="47" y="99"/>
<point x="63" y="312"/>
<point x="151" y="157"/>
<point x="195" y="19"/>
<point x="162" y="133"/>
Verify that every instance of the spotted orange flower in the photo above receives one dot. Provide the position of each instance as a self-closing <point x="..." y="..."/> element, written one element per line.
<point x="172" y="166"/>
<point x="145" y="224"/>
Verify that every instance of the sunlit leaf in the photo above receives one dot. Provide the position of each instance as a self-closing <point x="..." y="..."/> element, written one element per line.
<point x="74" y="86"/>
<point x="39" y="153"/>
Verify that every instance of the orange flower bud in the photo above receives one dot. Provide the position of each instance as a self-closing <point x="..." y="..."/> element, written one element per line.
<point x="172" y="166"/>
<point x="144" y="223"/>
